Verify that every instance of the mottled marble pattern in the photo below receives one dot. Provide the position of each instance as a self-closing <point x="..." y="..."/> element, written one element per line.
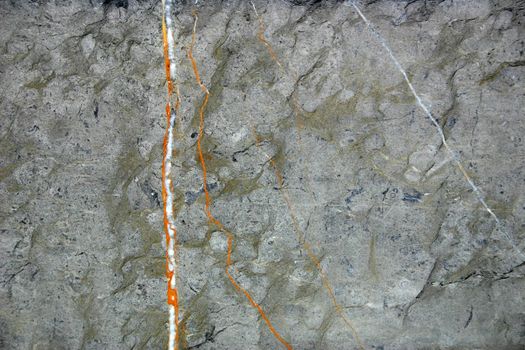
<point x="412" y="257"/>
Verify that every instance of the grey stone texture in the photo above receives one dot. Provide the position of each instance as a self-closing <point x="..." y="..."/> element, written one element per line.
<point x="413" y="258"/>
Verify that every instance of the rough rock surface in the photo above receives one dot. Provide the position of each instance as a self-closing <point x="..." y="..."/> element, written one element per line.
<point x="413" y="258"/>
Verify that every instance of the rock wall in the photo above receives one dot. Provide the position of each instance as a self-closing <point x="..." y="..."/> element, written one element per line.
<point x="345" y="207"/>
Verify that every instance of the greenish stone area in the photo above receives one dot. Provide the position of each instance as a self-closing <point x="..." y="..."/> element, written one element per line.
<point x="411" y="256"/>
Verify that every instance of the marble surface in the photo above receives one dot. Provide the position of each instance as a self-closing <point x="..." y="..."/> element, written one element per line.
<point x="318" y="151"/>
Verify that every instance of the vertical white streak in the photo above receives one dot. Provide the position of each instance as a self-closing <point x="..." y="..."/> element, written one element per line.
<point x="167" y="7"/>
<point x="255" y="9"/>
<point x="425" y="109"/>
<point x="170" y="197"/>
<point x="171" y="231"/>
<point x="173" y="330"/>
<point x="171" y="39"/>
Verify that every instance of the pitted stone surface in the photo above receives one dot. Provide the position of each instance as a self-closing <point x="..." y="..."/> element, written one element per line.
<point x="412" y="256"/>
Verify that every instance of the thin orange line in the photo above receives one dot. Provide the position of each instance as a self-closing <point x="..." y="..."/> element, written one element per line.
<point x="298" y="231"/>
<point x="260" y="35"/>
<point x="166" y="57"/>
<point x="309" y="251"/>
<point x="208" y="198"/>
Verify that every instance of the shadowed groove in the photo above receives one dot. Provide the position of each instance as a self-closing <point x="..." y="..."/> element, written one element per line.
<point x="208" y="212"/>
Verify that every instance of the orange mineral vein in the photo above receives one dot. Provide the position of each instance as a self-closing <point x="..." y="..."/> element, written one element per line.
<point x="167" y="185"/>
<point x="297" y="229"/>
<point x="208" y="198"/>
<point x="295" y="104"/>
<point x="308" y="247"/>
